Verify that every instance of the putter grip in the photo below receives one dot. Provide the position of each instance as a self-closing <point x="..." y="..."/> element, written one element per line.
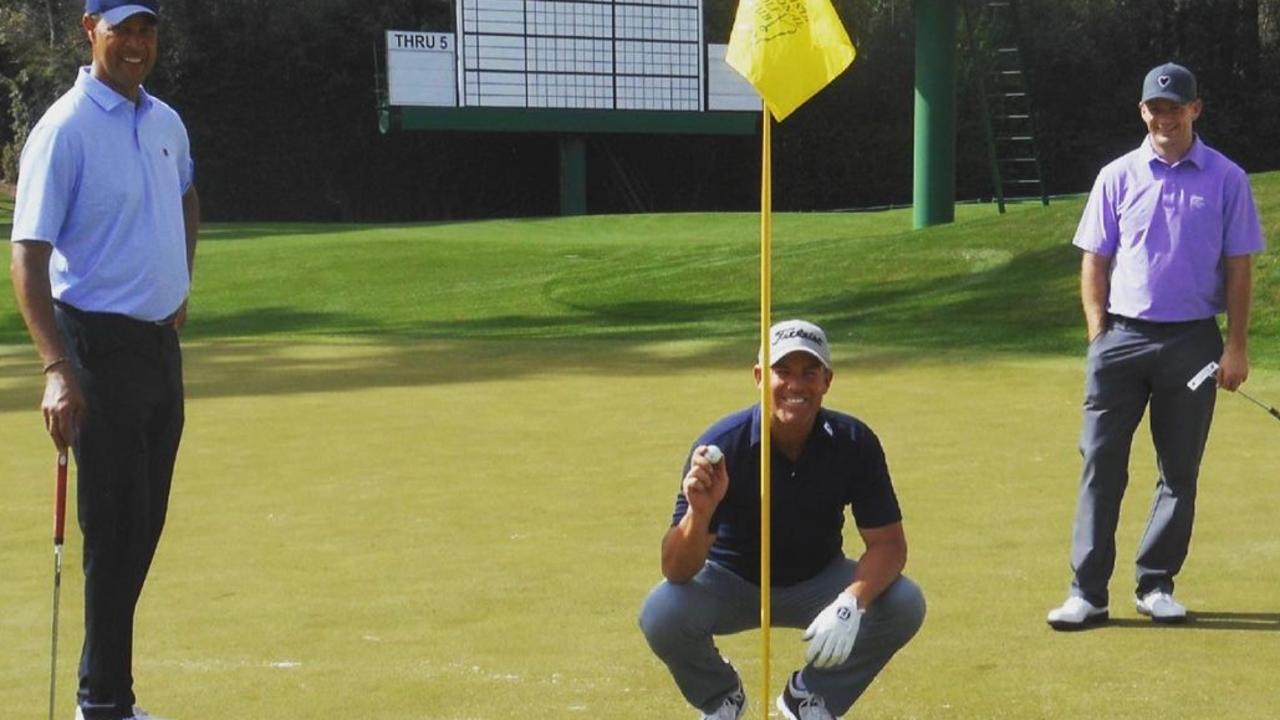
<point x="60" y="500"/>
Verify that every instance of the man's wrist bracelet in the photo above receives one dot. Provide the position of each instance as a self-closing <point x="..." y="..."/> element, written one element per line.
<point x="54" y="363"/>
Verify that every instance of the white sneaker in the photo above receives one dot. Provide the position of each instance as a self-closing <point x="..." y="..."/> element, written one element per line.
<point x="733" y="707"/>
<point x="1076" y="613"/>
<point x="1161" y="607"/>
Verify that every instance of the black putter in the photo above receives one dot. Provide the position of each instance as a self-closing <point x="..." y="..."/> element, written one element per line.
<point x="1212" y="368"/>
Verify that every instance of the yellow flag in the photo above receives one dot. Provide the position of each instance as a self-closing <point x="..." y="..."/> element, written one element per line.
<point x="788" y="49"/>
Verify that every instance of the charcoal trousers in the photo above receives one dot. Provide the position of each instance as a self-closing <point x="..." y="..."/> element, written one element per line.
<point x="680" y="622"/>
<point x="130" y="372"/>
<point x="1133" y="365"/>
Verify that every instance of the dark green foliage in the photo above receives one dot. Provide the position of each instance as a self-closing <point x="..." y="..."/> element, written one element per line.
<point x="280" y="100"/>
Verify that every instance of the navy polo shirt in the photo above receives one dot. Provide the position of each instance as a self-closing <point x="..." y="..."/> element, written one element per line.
<point x="842" y="465"/>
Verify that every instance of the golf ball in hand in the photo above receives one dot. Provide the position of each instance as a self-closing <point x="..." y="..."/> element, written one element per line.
<point x="714" y="455"/>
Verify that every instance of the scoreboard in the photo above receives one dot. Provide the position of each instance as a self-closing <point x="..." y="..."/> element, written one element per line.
<point x="569" y="55"/>
<point x="602" y="54"/>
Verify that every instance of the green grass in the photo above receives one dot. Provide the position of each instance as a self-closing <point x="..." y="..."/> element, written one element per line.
<point x="404" y="531"/>
<point x="426" y="470"/>
<point x="985" y="283"/>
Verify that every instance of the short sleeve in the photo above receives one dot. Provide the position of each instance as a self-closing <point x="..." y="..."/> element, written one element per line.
<point x="1099" y="228"/>
<point x="1241" y="228"/>
<point x="46" y="183"/>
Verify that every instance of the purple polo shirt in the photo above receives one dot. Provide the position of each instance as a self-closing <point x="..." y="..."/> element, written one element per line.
<point x="1167" y="229"/>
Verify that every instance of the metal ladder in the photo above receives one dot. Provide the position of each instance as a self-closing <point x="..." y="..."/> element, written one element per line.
<point x="1008" y="117"/>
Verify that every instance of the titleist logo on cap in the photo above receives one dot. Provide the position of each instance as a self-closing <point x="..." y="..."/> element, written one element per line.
<point x="794" y="332"/>
<point x="798" y="335"/>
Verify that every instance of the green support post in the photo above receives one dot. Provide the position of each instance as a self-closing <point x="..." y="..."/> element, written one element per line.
<point x="573" y="175"/>
<point x="934" y="188"/>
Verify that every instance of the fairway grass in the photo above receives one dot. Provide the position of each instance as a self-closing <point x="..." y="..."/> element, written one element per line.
<point x="417" y="530"/>
<point x="427" y="467"/>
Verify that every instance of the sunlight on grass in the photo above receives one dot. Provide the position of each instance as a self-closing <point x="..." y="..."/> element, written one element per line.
<point x="472" y="526"/>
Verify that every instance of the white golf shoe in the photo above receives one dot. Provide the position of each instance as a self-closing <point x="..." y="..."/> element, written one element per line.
<point x="1161" y="607"/>
<point x="733" y="707"/>
<point x="1076" y="614"/>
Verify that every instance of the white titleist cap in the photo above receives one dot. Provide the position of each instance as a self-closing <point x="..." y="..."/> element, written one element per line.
<point x="791" y="336"/>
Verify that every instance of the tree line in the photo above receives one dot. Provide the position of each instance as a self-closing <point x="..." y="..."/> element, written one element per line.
<point x="280" y="100"/>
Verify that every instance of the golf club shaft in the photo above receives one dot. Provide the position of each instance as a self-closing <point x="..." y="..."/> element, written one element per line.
<point x="59" y="525"/>
<point x="1274" y="413"/>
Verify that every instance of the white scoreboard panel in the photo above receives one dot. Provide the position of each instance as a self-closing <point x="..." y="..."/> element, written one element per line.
<point x="582" y="54"/>
<point x="421" y="68"/>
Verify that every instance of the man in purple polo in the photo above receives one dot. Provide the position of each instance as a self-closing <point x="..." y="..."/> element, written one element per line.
<point x="1167" y="237"/>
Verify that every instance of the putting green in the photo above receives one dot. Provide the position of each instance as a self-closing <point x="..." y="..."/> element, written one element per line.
<point x="466" y="530"/>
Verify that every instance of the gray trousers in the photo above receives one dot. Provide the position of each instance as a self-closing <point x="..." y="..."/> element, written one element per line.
<point x="680" y="622"/>
<point x="1130" y="365"/>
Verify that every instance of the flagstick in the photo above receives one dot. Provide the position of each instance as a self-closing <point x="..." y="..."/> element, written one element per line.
<point x="766" y="397"/>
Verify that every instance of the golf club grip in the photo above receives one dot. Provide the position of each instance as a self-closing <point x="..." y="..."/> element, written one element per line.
<point x="60" y="500"/>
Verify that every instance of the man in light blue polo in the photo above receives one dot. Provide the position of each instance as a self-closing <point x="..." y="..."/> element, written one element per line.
<point x="1167" y="235"/>
<point x="104" y="237"/>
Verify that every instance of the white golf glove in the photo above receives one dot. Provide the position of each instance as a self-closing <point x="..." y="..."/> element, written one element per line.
<point x="832" y="633"/>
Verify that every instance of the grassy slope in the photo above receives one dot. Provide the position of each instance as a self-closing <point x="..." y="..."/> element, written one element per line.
<point x="986" y="282"/>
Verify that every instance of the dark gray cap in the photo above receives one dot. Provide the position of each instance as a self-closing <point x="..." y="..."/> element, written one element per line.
<point x="1170" y="82"/>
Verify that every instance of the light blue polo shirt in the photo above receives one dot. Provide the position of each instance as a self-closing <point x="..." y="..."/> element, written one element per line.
<point x="102" y="180"/>
<point x="1168" y="229"/>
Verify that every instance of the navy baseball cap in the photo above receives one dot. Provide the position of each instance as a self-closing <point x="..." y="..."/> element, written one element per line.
<point x="116" y="12"/>
<point x="1170" y="82"/>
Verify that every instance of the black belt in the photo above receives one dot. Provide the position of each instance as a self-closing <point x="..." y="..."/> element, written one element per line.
<point x="1137" y="323"/>
<point x="115" y="317"/>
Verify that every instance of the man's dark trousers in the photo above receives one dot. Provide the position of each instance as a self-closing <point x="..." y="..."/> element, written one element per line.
<point x="131" y="374"/>
<point x="1130" y="365"/>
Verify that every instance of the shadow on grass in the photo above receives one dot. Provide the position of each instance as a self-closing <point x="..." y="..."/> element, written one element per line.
<point x="1012" y="307"/>
<point x="1017" y="305"/>
<point x="282" y="349"/>
<point x="266" y="321"/>
<point x="294" y="349"/>
<point x="241" y="369"/>
<point x="1266" y="622"/>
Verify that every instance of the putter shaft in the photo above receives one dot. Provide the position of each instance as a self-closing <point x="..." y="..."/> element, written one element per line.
<point x="59" y="525"/>
<point x="1274" y="413"/>
<point x="53" y="652"/>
